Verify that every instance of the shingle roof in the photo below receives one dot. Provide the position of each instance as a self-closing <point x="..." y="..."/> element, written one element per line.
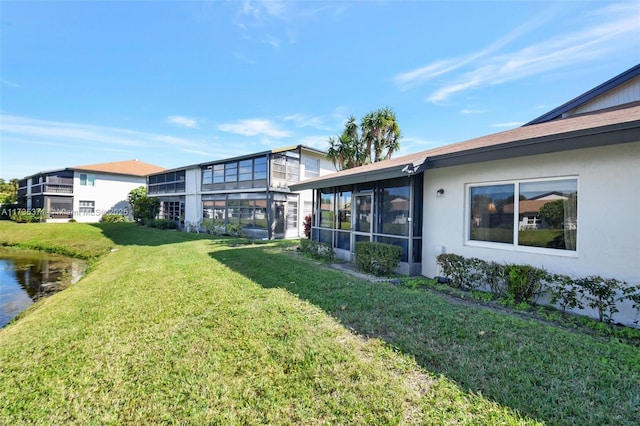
<point x="558" y="135"/>
<point x="608" y="85"/>
<point x="127" y="167"/>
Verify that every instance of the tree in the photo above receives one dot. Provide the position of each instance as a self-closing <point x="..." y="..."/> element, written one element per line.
<point x="553" y="214"/>
<point x="144" y="208"/>
<point x="376" y="140"/>
<point x="8" y="191"/>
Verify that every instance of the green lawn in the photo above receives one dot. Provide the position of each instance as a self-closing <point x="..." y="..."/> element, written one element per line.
<point x="174" y="328"/>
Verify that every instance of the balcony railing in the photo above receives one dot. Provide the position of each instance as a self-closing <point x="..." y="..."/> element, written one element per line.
<point x="56" y="188"/>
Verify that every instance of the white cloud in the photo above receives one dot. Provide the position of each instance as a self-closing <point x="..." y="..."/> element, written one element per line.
<point x="610" y="29"/>
<point x="510" y="124"/>
<point x="57" y="132"/>
<point x="253" y="127"/>
<point x="317" y="142"/>
<point x="469" y="111"/>
<point x="11" y="84"/>
<point x="302" y="120"/>
<point x="273" y="41"/>
<point x="180" y="120"/>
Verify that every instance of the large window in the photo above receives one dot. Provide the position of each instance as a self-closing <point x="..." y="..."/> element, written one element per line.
<point x="248" y="173"/>
<point x="544" y="216"/>
<point x="247" y="213"/>
<point x="490" y="221"/>
<point x="171" y="182"/>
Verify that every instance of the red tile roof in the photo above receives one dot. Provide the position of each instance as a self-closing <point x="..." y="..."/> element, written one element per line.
<point x="127" y="167"/>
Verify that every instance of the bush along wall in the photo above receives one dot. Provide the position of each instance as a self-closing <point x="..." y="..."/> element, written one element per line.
<point x="377" y="258"/>
<point x="526" y="284"/>
<point x="317" y="250"/>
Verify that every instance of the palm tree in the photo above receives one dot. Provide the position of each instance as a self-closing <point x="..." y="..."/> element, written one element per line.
<point x="377" y="140"/>
<point x="382" y="134"/>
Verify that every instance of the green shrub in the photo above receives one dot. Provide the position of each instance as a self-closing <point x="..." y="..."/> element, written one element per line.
<point x="565" y="292"/>
<point x="28" y="216"/>
<point x="494" y="277"/>
<point x="524" y="282"/>
<point x="234" y="229"/>
<point x="113" y="218"/>
<point x="601" y="294"/>
<point x="452" y="266"/>
<point x="162" y="224"/>
<point x="377" y="258"/>
<point x="212" y="226"/>
<point x="317" y="250"/>
<point x="461" y="272"/>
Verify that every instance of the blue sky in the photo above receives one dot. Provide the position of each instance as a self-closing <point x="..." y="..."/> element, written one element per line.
<point x="178" y="83"/>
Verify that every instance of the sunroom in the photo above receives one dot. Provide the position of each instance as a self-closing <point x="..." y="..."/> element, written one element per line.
<point x="381" y="203"/>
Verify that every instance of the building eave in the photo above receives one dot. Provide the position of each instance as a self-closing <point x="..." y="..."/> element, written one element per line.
<point x="613" y="134"/>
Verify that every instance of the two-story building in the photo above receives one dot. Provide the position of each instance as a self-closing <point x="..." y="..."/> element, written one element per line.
<point x="251" y="191"/>
<point x="84" y="193"/>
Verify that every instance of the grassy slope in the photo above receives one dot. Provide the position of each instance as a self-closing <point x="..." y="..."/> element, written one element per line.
<point x="173" y="328"/>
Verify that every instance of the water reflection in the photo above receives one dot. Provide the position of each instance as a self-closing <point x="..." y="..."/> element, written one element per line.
<point x="26" y="276"/>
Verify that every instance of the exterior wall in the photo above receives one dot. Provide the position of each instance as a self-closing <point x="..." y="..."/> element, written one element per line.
<point x="625" y="93"/>
<point x="192" y="200"/>
<point x="109" y="193"/>
<point x="608" y="239"/>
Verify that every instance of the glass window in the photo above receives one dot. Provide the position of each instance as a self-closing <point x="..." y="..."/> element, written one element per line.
<point x="231" y="172"/>
<point x="363" y="213"/>
<point x="279" y="167"/>
<point x="218" y="173"/>
<point x="214" y="209"/>
<point x="343" y="240"/>
<point x="394" y="210"/>
<point x="490" y="221"/>
<point x="260" y="168"/>
<point x="260" y="214"/>
<point x="311" y="167"/>
<point x="545" y="216"/>
<point x="245" y="170"/>
<point x="292" y="215"/>
<point x="87" y="179"/>
<point x="344" y="210"/>
<point x="326" y="208"/>
<point x="87" y="207"/>
<point x="207" y="176"/>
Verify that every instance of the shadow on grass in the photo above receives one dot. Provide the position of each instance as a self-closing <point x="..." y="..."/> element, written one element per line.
<point x="134" y="234"/>
<point x="538" y="370"/>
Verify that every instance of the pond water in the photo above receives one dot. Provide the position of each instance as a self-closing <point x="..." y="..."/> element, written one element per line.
<point x="26" y="276"/>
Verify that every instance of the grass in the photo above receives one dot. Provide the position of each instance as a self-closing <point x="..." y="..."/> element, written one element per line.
<point x="178" y="328"/>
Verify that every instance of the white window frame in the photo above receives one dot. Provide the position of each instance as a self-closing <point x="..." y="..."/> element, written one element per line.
<point x="516" y="214"/>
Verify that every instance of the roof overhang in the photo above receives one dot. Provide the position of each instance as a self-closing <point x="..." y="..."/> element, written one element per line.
<point x="587" y="138"/>
<point x="366" y="176"/>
